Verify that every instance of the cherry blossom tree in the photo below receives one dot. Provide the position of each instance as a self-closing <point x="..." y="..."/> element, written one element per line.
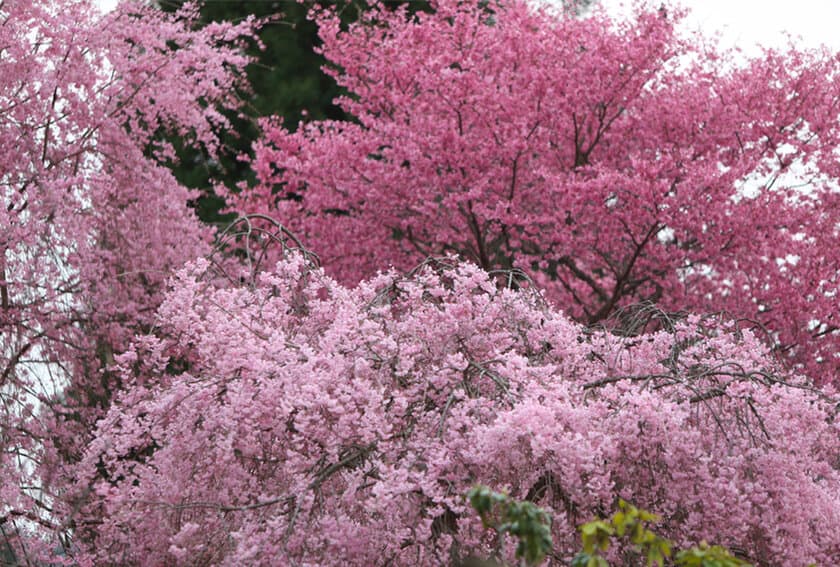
<point x="166" y="401"/>
<point x="616" y="160"/>
<point x="277" y="417"/>
<point x="92" y="223"/>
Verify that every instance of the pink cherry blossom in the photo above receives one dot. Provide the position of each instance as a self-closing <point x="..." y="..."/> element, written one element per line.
<point x="296" y="421"/>
<point x="92" y="223"/>
<point x="574" y="259"/>
<point x="617" y="160"/>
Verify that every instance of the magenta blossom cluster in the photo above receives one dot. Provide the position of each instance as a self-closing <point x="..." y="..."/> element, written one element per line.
<point x="618" y="160"/>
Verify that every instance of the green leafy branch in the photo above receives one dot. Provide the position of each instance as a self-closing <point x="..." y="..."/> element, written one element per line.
<point x="631" y="524"/>
<point x="521" y="519"/>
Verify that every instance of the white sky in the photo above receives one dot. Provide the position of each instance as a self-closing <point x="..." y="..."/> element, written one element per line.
<point x="747" y="23"/>
<point x="106" y="5"/>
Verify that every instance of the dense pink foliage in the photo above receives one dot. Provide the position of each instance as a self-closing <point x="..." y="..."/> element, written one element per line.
<point x="618" y="160"/>
<point x="91" y="223"/>
<point x="298" y="422"/>
<point x="158" y="408"/>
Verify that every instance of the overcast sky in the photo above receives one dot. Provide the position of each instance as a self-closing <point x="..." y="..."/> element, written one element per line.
<point x="746" y="23"/>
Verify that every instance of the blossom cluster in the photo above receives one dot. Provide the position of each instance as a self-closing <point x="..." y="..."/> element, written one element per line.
<point x="92" y="222"/>
<point x="292" y="420"/>
<point x="618" y="160"/>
